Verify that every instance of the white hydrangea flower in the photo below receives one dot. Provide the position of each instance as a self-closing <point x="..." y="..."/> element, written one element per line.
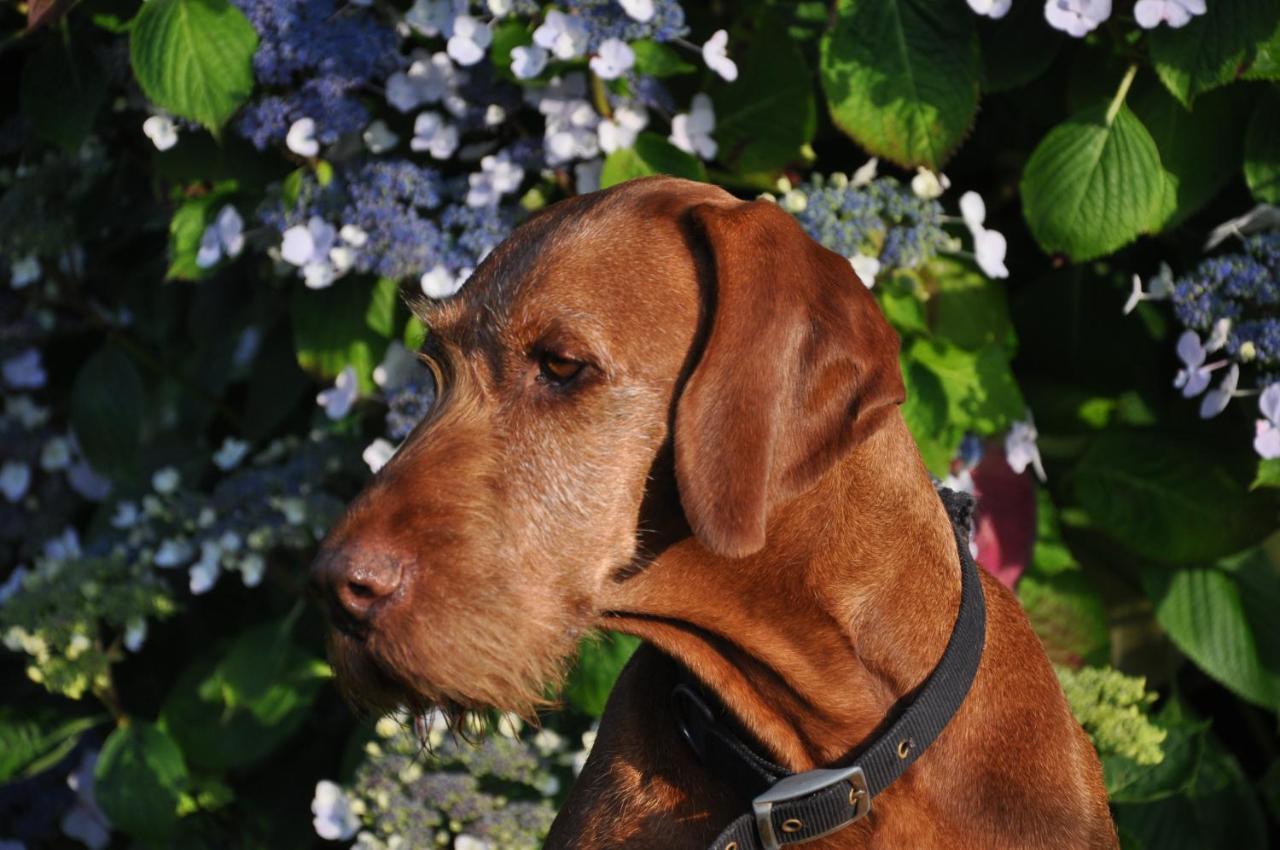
<point x="161" y="130"/>
<point x="991" y="8"/>
<point x="865" y="173"/>
<point x="715" y="55"/>
<point x="24" y="271"/>
<point x="1266" y="440"/>
<point x="301" y="138"/>
<point x="429" y="79"/>
<point x="135" y="633"/>
<point x="252" y="568"/>
<point x="338" y="399"/>
<point x="498" y="176"/>
<point x="378" y="137"/>
<point x="13" y="584"/>
<point x="307" y="247"/>
<point x="639" y="10"/>
<point x="439" y="282"/>
<point x="84" y="821"/>
<point x="333" y="818"/>
<point x="126" y="515"/>
<point x="989" y="246"/>
<point x="55" y="454"/>
<point x="15" y="480"/>
<point x="613" y="58"/>
<point x="203" y="574"/>
<point x="435" y="17"/>
<point x="527" y="61"/>
<point x="173" y="553"/>
<point x="564" y="35"/>
<point x="377" y="453"/>
<point x="225" y="237"/>
<point x="621" y="130"/>
<point x="230" y="453"/>
<point x="1175" y="13"/>
<point x="470" y="842"/>
<point x="1077" y="18"/>
<point x="1215" y="400"/>
<point x="432" y="134"/>
<point x="1020" y="448"/>
<point x="166" y="480"/>
<point x="24" y="370"/>
<point x="691" y="131"/>
<point x="86" y="481"/>
<point x="928" y="185"/>
<point x="866" y="268"/>
<point x="469" y="40"/>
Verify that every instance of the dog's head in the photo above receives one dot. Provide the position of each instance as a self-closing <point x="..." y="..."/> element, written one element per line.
<point x="658" y="357"/>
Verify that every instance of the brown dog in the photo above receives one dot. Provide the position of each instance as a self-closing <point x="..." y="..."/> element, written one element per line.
<point x="667" y="412"/>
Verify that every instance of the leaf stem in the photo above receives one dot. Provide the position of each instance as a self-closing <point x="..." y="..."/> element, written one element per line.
<point x="601" y="96"/>
<point x="1118" y="100"/>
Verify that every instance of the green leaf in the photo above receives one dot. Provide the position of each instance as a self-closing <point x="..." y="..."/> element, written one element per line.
<point x="1213" y="807"/>
<point x="335" y="327"/>
<point x="1262" y="149"/>
<point x="1266" y="60"/>
<point x="765" y="117"/>
<point x="1130" y="782"/>
<point x="925" y="412"/>
<point x="654" y="59"/>
<point x="139" y="780"/>
<point x="969" y="309"/>
<point x="1211" y="50"/>
<point x="1268" y="474"/>
<point x="599" y="663"/>
<point x="194" y="57"/>
<point x="381" y="315"/>
<point x="276" y="385"/>
<point x="31" y="743"/>
<point x="901" y="77"/>
<point x="62" y="89"/>
<point x="186" y="229"/>
<point x="107" y="405"/>
<point x="1093" y="185"/>
<point x="1061" y="602"/>
<point x="1199" y="149"/>
<point x="1167" y="500"/>
<point x="1205" y="617"/>
<point x="982" y="395"/>
<point x="651" y="154"/>
<point x="234" y="709"/>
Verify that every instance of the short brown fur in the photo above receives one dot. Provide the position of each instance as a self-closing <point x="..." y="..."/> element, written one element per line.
<point x="729" y="478"/>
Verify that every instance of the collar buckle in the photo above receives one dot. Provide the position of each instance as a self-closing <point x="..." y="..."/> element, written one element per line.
<point x="794" y="789"/>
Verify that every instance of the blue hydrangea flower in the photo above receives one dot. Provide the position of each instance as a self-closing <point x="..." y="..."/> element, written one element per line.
<point x="319" y="56"/>
<point x="607" y="19"/>
<point x="883" y="219"/>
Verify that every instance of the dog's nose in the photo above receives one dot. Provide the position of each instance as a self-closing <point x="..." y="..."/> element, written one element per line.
<point x="355" y="581"/>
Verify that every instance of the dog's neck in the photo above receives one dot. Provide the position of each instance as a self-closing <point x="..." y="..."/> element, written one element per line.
<point x="811" y="656"/>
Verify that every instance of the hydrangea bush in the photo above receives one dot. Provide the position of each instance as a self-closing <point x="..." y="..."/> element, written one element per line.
<point x="212" y="211"/>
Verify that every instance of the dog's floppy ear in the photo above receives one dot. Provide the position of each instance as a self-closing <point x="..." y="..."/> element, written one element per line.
<point x="798" y="364"/>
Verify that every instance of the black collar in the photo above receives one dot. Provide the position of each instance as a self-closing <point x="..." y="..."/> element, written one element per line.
<point x="791" y="808"/>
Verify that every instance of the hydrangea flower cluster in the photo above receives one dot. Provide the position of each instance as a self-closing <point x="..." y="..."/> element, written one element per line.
<point x="1234" y="301"/>
<point x="880" y="224"/>
<point x="445" y="797"/>
<point x="319" y="57"/>
<point x="53" y="611"/>
<point x="1112" y="709"/>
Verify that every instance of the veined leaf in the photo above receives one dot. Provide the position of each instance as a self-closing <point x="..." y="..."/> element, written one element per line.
<point x="1262" y="149"/>
<point x="1093" y="185"/>
<point x="139" y="780"/>
<point x="1211" y="50"/>
<point x="651" y="154"/>
<point x="901" y="77"/>
<point x="107" y="405"/>
<point x="1166" y="500"/>
<point x="194" y="57"/>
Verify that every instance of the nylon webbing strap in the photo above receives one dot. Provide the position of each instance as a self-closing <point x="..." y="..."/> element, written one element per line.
<point x="791" y="808"/>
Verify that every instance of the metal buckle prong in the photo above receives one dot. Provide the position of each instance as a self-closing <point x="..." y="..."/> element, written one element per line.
<point x="802" y="785"/>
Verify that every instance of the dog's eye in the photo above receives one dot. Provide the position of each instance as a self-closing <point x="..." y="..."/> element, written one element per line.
<point x="558" y="370"/>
